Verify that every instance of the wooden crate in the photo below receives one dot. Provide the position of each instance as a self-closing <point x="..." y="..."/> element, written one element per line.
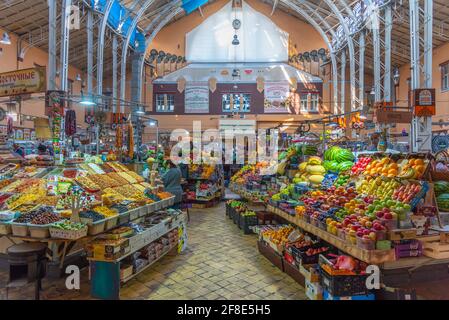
<point x="435" y="249"/>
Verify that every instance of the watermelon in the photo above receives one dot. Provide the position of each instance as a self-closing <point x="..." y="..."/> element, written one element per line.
<point x="333" y="166"/>
<point x="344" y="155"/>
<point x="443" y="202"/>
<point x="441" y="187"/>
<point x="310" y="150"/>
<point x="345" y="165"/>
<point x="326" y="164"/>
<point x="331" y="153"/>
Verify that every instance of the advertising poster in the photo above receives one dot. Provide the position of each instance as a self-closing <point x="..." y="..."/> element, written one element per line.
<point x="277" y="96"/>
<point x="197" y="97"/>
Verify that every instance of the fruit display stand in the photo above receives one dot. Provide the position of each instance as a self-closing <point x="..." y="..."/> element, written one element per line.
<point x="368" y="256"/>
<point x="204" y="187"/>
<point x="107" y="256"/>
<point x="118" y="193"/>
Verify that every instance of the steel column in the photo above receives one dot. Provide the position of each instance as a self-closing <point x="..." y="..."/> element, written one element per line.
<point x="65" y="37"/>
<point x="387" y="51"/>
<point x="100" y="48"/>
<point x="352" y="57"/>
<point x="51" y="44"/>
<point x="90" y="51"/>
<point x="362" y="67"/>
<point x="376" y="58"/>
<point x="125" y="45"/>
<point x="343" y="82"/>
<point x="114" y="72"/>
<point x="428" y="47"/>
<point x="414" y="63"/>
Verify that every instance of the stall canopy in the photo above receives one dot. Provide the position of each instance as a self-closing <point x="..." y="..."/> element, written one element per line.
<point x="247" y="73"/>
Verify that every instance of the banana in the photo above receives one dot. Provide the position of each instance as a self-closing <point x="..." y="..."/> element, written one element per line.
<point x="409" y="174"/>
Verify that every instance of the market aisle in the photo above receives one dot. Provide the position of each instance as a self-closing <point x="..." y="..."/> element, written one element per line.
<point x="220" y="263"/>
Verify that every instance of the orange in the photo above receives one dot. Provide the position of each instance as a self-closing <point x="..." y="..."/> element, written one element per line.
<point x="419" y="162"/>
<point x="393" y="172"/>
<point x="411" y="162"/>
<point x="393" y="165"/>
<point x="391" y="175"/>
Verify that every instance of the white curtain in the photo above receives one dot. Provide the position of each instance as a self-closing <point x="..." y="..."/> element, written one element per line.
<point x="260" y="39"/>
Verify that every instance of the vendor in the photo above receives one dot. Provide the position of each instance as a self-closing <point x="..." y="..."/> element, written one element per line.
<point x="172" y="182"/>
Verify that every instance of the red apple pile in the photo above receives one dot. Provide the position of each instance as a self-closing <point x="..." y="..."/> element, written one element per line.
<point x="315" y="251"/>
<point x="360" y="165"/>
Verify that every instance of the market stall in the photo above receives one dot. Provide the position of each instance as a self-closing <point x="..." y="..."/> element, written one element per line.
<point x="68" y="207"/>
<point x="379" y="208"/>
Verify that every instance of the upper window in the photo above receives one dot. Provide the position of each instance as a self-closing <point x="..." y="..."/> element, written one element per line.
<point x="304" y="102"/>
<point x="236" y="102"/>
<point x="165" y="102"/>
<point x="314" y="101"/>
<point x="445" y="76"/>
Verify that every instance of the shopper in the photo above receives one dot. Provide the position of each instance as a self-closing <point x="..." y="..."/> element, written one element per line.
<point x="42" y="149"/>
<point x="172" y="182"/>
<point x="19" y="150"/>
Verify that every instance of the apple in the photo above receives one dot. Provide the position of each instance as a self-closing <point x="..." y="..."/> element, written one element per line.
<point x="377" y="226"/>
<point x="368" y="224"/>
<point x="372" y="236"/>
<point x="388" y="216"/>
<point x="359" y="234"/>
<point x="366" y="232"/>
<point x="379" y="214"/>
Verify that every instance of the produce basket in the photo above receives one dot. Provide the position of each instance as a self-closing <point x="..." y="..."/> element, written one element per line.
<point x="302" y="258"/>
<point x="158" y="205"/>
<point x="5" y="228"/>
<point x="96" y="227"/>
<point x="39" y="231"/>
<point x="246" y="222"/>
<point x="123" y="217"/>
<point x="143" y="211"/>
<point x="341" y="283"/>
<point x="151" y="207"/>
<point x="111" y="222"/>
<point x="366" y="244"/>
<point x="133" y="214"/>
<point x="19" y="229"/>
<point x="341" y="234"/>
<point x="171" y="201"/>
<point x="236" y="217"/>
<point x="68" y="234"/>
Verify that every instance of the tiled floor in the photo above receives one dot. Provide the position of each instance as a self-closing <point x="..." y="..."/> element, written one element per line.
<point x="220" y="263"/>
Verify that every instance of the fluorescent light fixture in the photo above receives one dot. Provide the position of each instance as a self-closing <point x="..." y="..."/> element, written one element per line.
<point x="152" y="123"/>
<point x="5" y="39"/>
<point x="140" y="111"/>
<point x="87" y="102"/>
<point x="78" y="77"/>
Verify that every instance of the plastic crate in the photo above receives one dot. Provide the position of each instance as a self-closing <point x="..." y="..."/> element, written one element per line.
<point x="301" y="257"/>
<point x="248" y="221"/>
<point x="328" y="296"/>
<point x="341" y="284"/>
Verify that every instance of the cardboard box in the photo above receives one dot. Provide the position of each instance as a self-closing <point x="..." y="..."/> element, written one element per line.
<point x="126" y="271"/>
<point x="313" y="290"/>
<point x="310" y="273"/>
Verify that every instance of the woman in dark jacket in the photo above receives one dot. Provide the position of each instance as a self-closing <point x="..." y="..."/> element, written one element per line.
<point x="172" y="182"/>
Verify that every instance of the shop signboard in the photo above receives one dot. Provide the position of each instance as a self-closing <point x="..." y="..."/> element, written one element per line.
<point x="276" y="97"/>
<point x="386" y="113"/>
<point x="423" y="102"/>
<point x="25" y="81"/>
<point x="196" y="97"/>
